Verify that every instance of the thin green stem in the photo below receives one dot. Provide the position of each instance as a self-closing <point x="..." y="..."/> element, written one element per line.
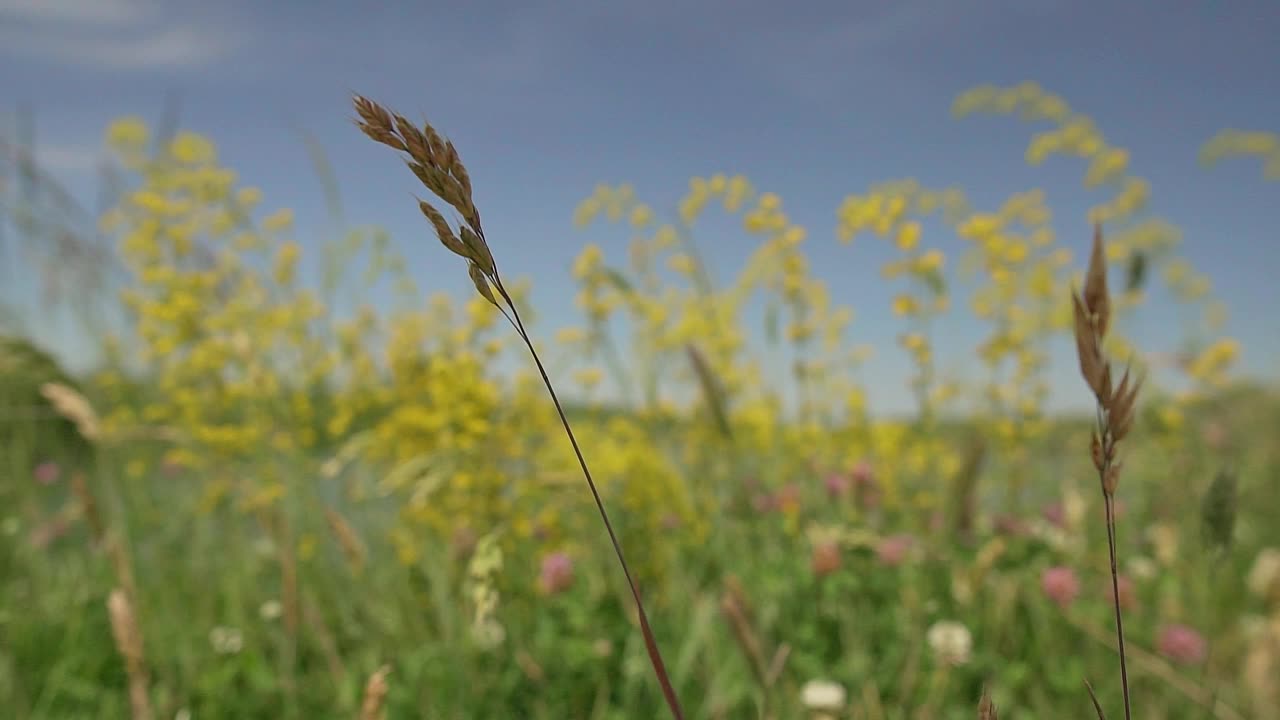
<point x="1108" y="452"/>
<point x="651" y="644"/>
<point x="1115" y="592"/>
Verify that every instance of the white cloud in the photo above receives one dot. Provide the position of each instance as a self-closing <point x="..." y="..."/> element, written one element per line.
<point x="125" y="35"/>
<point x="812" y="56"/>
<point x="97" y="12"/>
<point x="62" y="159"/>
<point x="175" y="47"/>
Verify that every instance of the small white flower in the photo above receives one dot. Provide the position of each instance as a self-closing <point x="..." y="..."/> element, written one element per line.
<point x="1264" y="576"/>
<point x="264" y="548"/>
<point x="823" y="695"/>
<point x="1074" y="507"/>
<point x="635" y="665"/>
<point x="183" y="714"/>
<point x="270" y="610"/>
<point x="951" y="641"/>
<point x="330" y="468"/>
<point x="1163" y="539"/>
<point x="1253" y="627"/>
<point x="1142" y="567"/>
<point x="1055" y="537"/>
<point x="226" y="640"/>
<point x="488" y="633"/>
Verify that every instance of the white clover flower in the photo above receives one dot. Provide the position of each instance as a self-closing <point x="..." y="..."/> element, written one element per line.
<point x="271" y="610"/>
<point x="226" y="640"/>
<point x="823" y="695"/>
<point x="951" y="641"/>
<point x="1264" y="576"/>
<point x="1142" y="567"/>
<point x="1074" y="507"/>
<point x="264" y="548"/>
<point x="488" y="633"/>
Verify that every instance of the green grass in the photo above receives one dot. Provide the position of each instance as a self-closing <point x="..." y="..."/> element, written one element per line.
<point x="201" y="565"/>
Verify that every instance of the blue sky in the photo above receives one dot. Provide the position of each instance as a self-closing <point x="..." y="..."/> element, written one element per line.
<point x="813" y="101"/>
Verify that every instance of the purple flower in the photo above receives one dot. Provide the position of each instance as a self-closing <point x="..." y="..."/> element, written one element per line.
<point x="1010" y="525"/>
<point x="47" y="472"/>
<point x="826" y="558"/>
<point x="1182" y="644"/>
<point x="1056" y="514"/>
<point x="892" y="551"/>
<point x="863" y="473"/>
<point x="556" y="575"/>
<point x="838" y="485"/>
<point x="1061" y="585"/>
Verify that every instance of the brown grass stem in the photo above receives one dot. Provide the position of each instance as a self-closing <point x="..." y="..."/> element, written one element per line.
<point x="650" y="641"/>
<point x="435" y="162"/>
<point x="1116" y="407"/>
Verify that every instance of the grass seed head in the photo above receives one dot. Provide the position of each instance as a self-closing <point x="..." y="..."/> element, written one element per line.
<point x="437" y="165"/>
<point x="376" y="122"/>
<point x="481" y="282"/>
<point x="986" y="707"/>
<point x="1218" y="510"/>
<point x="375" y="694"/>
<point x="1096" y="298"/>
<point x="1087" y="346"/>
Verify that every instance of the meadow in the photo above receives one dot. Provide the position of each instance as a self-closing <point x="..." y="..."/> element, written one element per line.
<point x="256" y="506"/>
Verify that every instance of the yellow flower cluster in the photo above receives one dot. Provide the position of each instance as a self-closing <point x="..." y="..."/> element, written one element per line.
<point x="1073" y="134"/>
<point x="1211" y="365"/>
<point x="1141" y="245"/>
<point x="1015" y="248"/>
<point x="250" y="363"/>
<point x="889" y="211"/>
<point x="222" y="339"/>
<point x="1245" y="143"/>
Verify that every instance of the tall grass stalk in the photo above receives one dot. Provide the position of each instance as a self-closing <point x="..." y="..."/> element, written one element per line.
<point x="1115" y="408"/>
<point x="435" y="162"/>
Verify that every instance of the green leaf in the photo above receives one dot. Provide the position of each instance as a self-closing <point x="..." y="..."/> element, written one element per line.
<point x="1136" y="272"/>
<point x="619" y="281"/>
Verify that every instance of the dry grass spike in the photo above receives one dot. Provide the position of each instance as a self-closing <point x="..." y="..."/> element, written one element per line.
<point x="1116" y="405"/>
<point x="124" y="628"/>
<point x="375" y="694"/>
<point x="436" y="164"/>
<point x="986" y="707"/>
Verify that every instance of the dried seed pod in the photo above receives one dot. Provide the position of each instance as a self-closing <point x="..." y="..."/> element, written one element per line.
<point x="479" y="250"/>
<point x="1091" y="363"/>
<point x="415" y="142"/>
<point x="1123" y="387"/>
<point x="375" y="694"/>
<point x="375" y="122"/>
<point x="481" y="282"/>
<point x="437" y="145"/>
<point x="1111" y="479"/>
<point x="1104" y="387"/>
<point x="464" y="178"/>
<point x="1096" y="298"/>
<point x="443" y="231"/>
<point x="1124" y="411"/>
<point x="986" y="707"/>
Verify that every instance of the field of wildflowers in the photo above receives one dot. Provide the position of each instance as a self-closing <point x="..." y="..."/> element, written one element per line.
<point x="258" y="507"/>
